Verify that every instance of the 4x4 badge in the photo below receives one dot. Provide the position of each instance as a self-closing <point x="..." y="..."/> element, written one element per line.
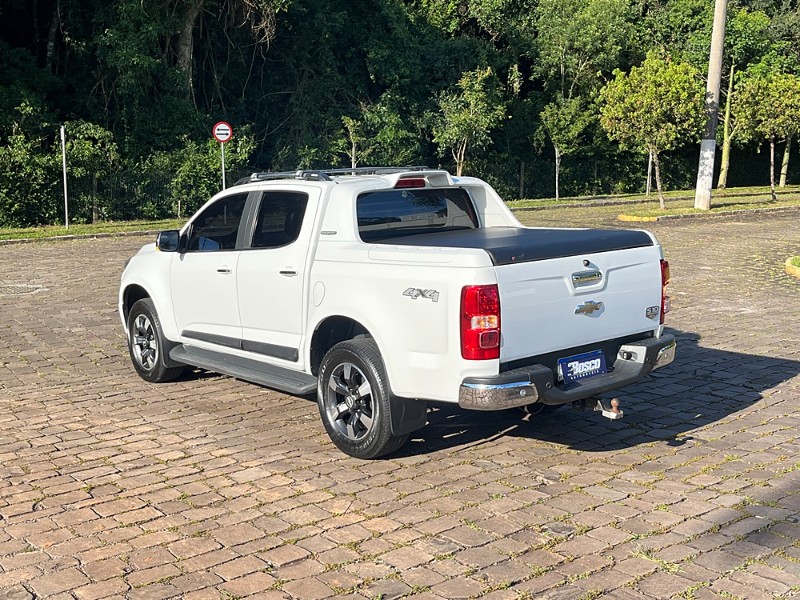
<point x="415" y="293"/>
<point x="588" y="307"/>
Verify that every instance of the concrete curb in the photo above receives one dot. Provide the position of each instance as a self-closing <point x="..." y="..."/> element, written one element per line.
<point x="727" y="213"/>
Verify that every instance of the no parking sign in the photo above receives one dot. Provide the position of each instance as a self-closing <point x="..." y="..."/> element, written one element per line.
<point x="222" y="132"/>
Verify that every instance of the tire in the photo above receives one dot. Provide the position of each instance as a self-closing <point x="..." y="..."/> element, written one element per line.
<point x="147" y="345"/>
<point x="353" y="398"/>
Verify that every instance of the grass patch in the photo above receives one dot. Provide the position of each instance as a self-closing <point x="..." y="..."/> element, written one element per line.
<point x="795" y="261"/>
<point x="761" y="192"/>
<point x="51" y="231"/>
<point x="686" y="207"/>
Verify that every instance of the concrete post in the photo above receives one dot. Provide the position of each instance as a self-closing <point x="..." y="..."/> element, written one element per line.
<point x="708" y="146"/>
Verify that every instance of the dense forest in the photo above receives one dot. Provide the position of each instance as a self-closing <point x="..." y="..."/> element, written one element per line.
<point x="540" y="97"/>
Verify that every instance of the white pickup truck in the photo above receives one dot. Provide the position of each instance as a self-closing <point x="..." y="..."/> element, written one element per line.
<point x="384" y="288"/>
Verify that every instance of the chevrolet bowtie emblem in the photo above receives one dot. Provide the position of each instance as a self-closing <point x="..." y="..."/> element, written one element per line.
<point x="588" y="307"/>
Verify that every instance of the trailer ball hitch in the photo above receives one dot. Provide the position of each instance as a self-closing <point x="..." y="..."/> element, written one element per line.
<point x="610" y="411"/>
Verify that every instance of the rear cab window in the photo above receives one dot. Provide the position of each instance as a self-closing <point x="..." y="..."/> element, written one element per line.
<point x="390" y="214"/>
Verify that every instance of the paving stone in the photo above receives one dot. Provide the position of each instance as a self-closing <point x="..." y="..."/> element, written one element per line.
<point x="210" y="486"/>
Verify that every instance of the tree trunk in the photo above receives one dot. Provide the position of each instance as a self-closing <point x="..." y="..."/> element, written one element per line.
<point x="785" y="163"/>
<point x="460" y="155"/>
<point x="185" y="38"/>
<point x="522" y="180"/>
<point x="353" y="155"/>
<point x="51" y="38"/>
<point x="95" y="208"/>
<point x="558" y="166"/>
<point x="772" y="168"/>
<point x="726" y="137"/>
<point x="658" y="179"/>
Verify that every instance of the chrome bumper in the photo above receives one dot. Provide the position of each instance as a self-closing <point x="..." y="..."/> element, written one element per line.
<point x="536" y="384"/>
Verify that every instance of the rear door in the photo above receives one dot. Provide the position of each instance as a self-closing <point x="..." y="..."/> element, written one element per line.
<point x="272" y="275"/>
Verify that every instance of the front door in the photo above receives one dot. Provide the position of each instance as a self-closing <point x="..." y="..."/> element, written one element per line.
<point x="203" y="279"/>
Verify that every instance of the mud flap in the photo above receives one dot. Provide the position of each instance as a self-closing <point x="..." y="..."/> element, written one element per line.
<point x="407" y="415"/>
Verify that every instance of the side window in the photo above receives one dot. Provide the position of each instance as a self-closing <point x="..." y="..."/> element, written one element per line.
<point x="216" y="227"/>
<point x="280" y="216"/>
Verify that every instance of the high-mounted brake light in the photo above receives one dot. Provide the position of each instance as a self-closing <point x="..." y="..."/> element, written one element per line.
<point x="409" y="182"/>
<point x="480" y="322"/>
<point x="665" y="302"/>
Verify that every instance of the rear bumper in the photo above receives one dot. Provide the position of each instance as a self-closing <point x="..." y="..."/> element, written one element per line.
<point x="535" y="383"/>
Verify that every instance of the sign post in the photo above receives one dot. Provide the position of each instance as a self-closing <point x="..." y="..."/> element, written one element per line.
<point x="222" y="132"/>
<point x="64" y="168"/>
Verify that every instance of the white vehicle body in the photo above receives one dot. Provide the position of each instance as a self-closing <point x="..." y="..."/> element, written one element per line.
<point x="284" y="306"/>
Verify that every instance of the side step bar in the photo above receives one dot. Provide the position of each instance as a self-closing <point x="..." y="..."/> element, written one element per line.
<point x="285" y="380"/>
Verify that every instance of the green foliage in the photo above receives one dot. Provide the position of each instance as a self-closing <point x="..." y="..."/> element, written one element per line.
<point x="655" y="107"/>
<point x="378" y="136"/>
<point x="467" y="115"/>
<point x="197" y="169"/>
<point x="579" y="39"/>
<point x="565" y="122"/>
<point x="768" y="106"/>
<point x="29" y="175"/>
<point x="320" y="82"/>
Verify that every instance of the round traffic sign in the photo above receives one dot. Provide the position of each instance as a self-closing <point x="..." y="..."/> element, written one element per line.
<point x="223" y="132"/>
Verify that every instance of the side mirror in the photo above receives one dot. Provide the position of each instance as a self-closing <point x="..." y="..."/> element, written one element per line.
<point x="167" y="241"/>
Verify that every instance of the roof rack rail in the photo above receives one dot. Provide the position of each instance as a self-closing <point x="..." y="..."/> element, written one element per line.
<point x="326" y="174"/>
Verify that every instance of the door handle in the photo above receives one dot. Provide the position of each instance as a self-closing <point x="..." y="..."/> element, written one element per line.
<point x="288" y="272"/>
<point x="226" y="270"/>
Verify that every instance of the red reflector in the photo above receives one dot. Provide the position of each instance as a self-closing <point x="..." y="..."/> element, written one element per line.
<point x="480" y="322"/>
<point x="410" y="182"/>
<point x="664" y="297"/>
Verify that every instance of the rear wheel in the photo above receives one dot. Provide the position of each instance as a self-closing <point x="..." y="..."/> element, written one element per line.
<point x="147" y="344"/>
<point x="353" y="397"/>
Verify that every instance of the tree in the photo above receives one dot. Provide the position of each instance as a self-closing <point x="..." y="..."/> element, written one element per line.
<point x="91" y="152"/>
<point x="28" y="173"/>
<point x="768" y="107"/>
<point x="745" y="39"/>
<point x="564" y="121"/>
<point x="379" y="135"/>
<point x="654" y="108"/>
<point x="467" y="115"/>
<point x="578" y="39"/>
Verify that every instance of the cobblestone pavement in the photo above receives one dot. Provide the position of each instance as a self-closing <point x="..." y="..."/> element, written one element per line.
<point x="215" y="488"/>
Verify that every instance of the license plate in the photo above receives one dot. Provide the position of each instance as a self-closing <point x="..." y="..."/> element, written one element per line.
<point x="581" y="366"/>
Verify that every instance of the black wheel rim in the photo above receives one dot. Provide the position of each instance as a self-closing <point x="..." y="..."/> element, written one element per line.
<point x="144" y="344"/>
<point x="350" y="403"/>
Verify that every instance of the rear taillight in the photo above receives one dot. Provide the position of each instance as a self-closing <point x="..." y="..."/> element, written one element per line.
<point x="480" y="322"/>
<point x="664" y="282"/>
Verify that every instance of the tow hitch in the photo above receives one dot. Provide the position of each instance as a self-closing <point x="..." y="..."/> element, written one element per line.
<point x="596" y="404"/>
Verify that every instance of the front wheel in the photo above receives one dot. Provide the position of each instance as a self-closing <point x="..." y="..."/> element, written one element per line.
<point x="353" y="397"/>
<point x="147" y="344"/>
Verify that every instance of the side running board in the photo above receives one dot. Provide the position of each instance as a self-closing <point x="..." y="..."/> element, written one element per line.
<point x="285" y="380"/>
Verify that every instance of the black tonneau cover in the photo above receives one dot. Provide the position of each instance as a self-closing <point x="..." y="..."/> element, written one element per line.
<point x="507" y="245"/>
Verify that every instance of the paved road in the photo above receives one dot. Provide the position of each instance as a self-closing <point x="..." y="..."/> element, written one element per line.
<point x="214" y="488"/>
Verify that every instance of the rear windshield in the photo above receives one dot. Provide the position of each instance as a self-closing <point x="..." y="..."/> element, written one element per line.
<point x="397" y="213"/>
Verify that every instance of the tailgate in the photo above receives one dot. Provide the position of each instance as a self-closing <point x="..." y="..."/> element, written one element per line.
<point x="567" y="302"/>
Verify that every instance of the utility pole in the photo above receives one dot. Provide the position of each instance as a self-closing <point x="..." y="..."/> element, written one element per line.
<point x="708" y="146"/>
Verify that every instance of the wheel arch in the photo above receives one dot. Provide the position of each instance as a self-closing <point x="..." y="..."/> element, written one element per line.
<point x="329" y="332"/>
<point x="132" y="294"/>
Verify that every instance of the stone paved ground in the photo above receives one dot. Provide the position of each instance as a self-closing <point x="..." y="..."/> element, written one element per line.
<point x="214" y="488"/>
